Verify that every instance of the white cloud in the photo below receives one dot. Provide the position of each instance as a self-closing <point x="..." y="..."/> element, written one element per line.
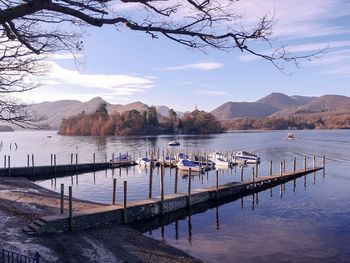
<point x="64" y="56"/>
<point x="196" y="66"/>
<point x="120" y="84"/>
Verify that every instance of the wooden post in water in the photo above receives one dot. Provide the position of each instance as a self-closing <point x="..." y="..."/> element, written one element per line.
<point x="314" y="162"/>
<point x="161" y="183"/>
<point x="242" y="173"/>
<point x="125" y="216"/>
<point x="51" y="159"/>
<point x="70" y="220"/>
<point x="27" y="160"/>
<point x="281" y="168"/>
<point x="9" y="164"/>
<point x="105" y="157"/>
<point x="284" y="165"/>
<point x="189" y="188"/>
<point x="71" y="158"/>
<point x="253" y="176"/>
<point x="94" y="160"/>
<point x="294" y="165"/>
<point x="114" y="190"/>
<point x="54" y="162"/>
<point x="62" y="199"/>
<point x="324" y="162"/>
<point x="217" y="184"/>
<point x="150" y="181"/>
<point x="176" y="178"/>
<point x="5" y="158"/>
<point x="305" y="163"/>
<point x="256" y="170"/>
<point x="271" y="168"/>
<point x="76" y="162"/>
<point x="32" y="160"/>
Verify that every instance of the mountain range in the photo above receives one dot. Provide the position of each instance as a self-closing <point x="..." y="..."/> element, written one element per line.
<point x="273" y="105"/>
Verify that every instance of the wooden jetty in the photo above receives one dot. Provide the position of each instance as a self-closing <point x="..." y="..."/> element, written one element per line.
<point x="129" y="212"/>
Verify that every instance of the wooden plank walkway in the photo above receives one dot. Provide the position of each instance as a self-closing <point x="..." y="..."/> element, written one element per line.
<point x="160" y="206"/>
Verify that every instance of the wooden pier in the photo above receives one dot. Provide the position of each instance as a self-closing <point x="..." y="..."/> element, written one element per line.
<point x="50" y="171"/>
<point x="129" y="212"/>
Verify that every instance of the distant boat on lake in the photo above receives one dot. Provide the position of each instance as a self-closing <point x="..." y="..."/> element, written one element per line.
<point x="290" y="136"/>
<point x="173" y="143"/>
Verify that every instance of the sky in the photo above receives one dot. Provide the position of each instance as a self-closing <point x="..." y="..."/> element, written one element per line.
<point x="124" y="66"/>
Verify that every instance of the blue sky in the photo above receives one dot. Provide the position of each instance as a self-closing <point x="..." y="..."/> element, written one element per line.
<point x="124" y="66"/>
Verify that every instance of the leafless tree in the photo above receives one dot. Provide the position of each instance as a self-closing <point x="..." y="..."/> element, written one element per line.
<point x="39" y="27"/>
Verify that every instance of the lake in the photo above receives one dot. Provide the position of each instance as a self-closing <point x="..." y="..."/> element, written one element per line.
<point x="303" y="222"/>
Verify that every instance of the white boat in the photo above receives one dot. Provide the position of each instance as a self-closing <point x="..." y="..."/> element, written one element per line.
<point x="173" y="143"/>
<point x="181" y="156"/>
<point x="187" y="164"/>
<point x="290" y="136"/>
<point x="122" y="158"/>
<point x="167" y="160"/>
<point x="143" y="161"/>
<point x="247" y="156"/>
<point x="219" y="160"/>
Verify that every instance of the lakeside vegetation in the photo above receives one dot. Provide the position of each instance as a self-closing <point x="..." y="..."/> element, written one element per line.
<point x="134" y="122"/>
<point x="341" y="121"/>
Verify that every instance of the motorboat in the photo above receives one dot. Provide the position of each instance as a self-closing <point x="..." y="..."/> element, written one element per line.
<point x="200" y="160"/>
<point x="247" y="156"/>
<point x="290" y="136"/>
<point x="143" y="161"/>
<point x="181" y="156"/>
<point x="167" y="160"/>
<point x="173" y="143"/>
<point x="219" y="160"/>
<point x="122" y="158"/>
<point x="187" y="164"/>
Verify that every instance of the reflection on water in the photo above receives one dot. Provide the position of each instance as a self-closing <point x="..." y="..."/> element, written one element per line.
<point x="304" y="220"/>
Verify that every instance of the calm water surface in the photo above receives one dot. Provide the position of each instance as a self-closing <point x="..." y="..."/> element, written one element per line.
<point x="303" y="222"/>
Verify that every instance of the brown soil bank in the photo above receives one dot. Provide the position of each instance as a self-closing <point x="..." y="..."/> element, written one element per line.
<point x="21" y="201"/>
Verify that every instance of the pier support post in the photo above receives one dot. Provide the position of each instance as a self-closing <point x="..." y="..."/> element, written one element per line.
<point x="256" y="170"/>
<point x="324" y="162"/>
<point x="271" y="168"/>
<point x="217" y="184"/>
<point x="51" y="159"/>
<point x="9" y="164"/>
<point x="54" y="163"/>
<point x="189" y="188"/>
<point x="94" y="160"/>
<point x="114" y="190"/>
<point x="5" y="158"/>
<point x="62" y="199"/>
<point x="305" y="163"/>
<point x="125" y="215"/>
<point x="27" y="160"/>
<point x="150" y="181"/>
<point x="71" y="158"/>
<point x="284" y="165"/>
<point x="314" y="162"/>
<point x="70" y="219"/>
<point x="281" y="170"/>
<point x="242" y="173"/>
<point x="294" y="165"/>
<point x="176" y="179"/>
<point x="161" y="183"/>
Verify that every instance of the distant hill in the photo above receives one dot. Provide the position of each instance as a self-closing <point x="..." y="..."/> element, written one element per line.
<point x="231" y="110"/>
<point x="275" y="105"/>
<point x="164" y="110"/>
<point x="303" y="99"/>
<point x="324" y="104"/>
<point x="279" y="100"/>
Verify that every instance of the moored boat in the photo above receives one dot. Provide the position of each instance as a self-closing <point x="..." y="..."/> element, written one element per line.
<point x="173" y="143"/>
<point x="167" y="160"/>
<point x="247" y="156"/>
<point x="143" y="161"/>
<point x="187" y="164"/>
